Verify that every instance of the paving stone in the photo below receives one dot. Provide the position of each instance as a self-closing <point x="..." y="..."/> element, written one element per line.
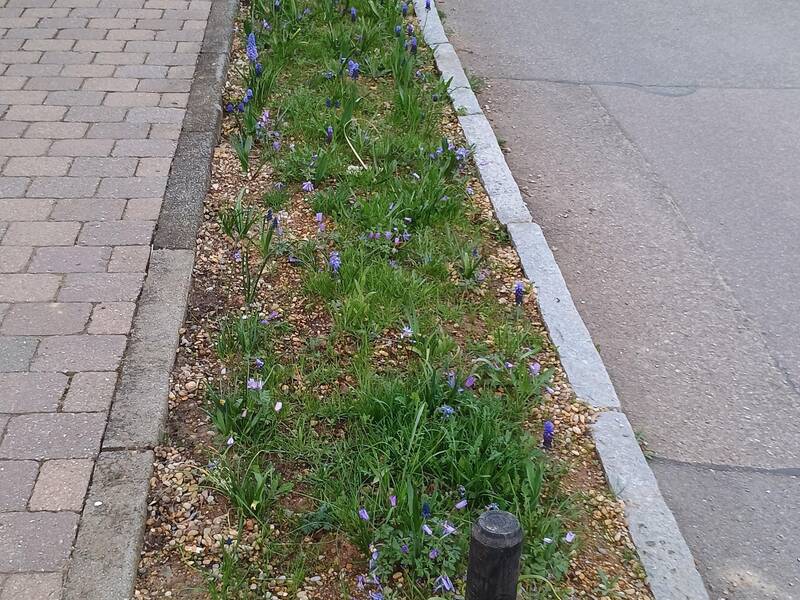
<point x="52" y="84"/>
<point x="24" y="209"/>
<point x="154" y="114"/>
<point x="90" y="392"/>
<point x="32" y="586"/>
<point x="3" y="310"/>
<point x="81" y="148"/>
<point x="100" y="287"/>
<point x="37" y="165"/>
<point x="123" y="233"/>
<point x="55" y="131"/>
<point x="25" y="147"/>
<point x="16" y="352"/>
<point x="119" y="131"/>
<point x="70" y="259"/>
<point x="88" y="71"/>
<point x="53" y="435"/>
<point x="143" y="208"/>
<point x="52" y="318"/>
<point x="22" y="112"/>
<point x="164" y="85"/>
<point x="96" y="114"/>
<point x="104" y="166"/>
<point x="31" y="392"/>
<point x="61" y="485"/>
<point x="33" y="233"/>
<point x="130" y="99"/>
<point x="78" y="98"/>
<point x="111" y="84"/>
<point x="13" y="186"/>
<point x="131" y="34"/>
<point x="130" y="187"/>
<point x="28" y="288"/>
<point x="144" y="148"/>
<point x="129" y="259"/>
<point x="72" y="353"/>
<point x="112" y="318"/>
<point x="16" y="483"/>
<point x="153" y="167"/>
<point x="88" y="209"/>
<point x="13" y="259"/>
<point x="63" y="187"/>
<point x="34" y="541"/>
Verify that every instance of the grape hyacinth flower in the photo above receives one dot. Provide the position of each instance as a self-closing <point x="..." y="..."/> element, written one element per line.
<point x="433" y="553"/>
<point x="393" y="501"/>
<point x="335" y="261"/>
<point x="404" y="548"/>
<point x="443" y="583"/>
<point x="406" y="332"/>
<point x="470" y="191"/>
<point x="229" y="107"/>
<point x="360" y="581"/>
<point x="255" y="384"/>
<point x="276" y="145"/>
<point x="353" y="69"/>
<point x="308" y="186"/>
<point x="462" y="154"/>
<point x="570" y="537"/>
<point x="252" y="47"/>
<point x="265" y="25"/>
<point x="469" y="382"/>
<point x="426" y="529"/>
<point x="329" y="134"/>
<point x="259" y="68"/>
<point x="451" y="379"/>
<point x="461" y="504"/>
<point x="409" y="30"/>
<point x="320" y="219"/>
<point x="519" y="293"/>
<point x="547" y="435"/>
<point x="404" y="9"/>
<point x="398" y="30"/>
<point x="412" y="45"/>
<point x="353" y="14"/>
<point x="240" y="107"/>
<point x="237" y="256"/>
<point x="535" y="369"/>
<point x="375" y="596"/>
<point x="230" y="442"/>
<point x="448" y="529"/>
<point x="447" y="411"/>
<point x="427" y="4"/>
<point x="278" y="406"/>
<point x="363" y="514"/>
<point x="259" y="363"/>
<point x="426" y="510"/>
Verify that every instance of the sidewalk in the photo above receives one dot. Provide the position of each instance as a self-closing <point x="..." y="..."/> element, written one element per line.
<point x="92" y="97"/>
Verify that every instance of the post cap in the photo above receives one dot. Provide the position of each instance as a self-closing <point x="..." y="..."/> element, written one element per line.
<point x="497" y="529"/>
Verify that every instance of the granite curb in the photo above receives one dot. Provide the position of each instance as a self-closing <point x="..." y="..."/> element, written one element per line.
<point x="105" y="557"/>
<point x="667" y="560"/>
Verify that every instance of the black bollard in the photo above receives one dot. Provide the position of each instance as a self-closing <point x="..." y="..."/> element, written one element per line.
<point x="494" y="552"/>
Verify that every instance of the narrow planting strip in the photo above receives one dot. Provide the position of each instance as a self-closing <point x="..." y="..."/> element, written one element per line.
<point x="671" y="571"/>
<point x="106" y="554"/>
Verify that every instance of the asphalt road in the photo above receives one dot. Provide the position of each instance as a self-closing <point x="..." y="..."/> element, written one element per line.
<point x="657" y="145"/>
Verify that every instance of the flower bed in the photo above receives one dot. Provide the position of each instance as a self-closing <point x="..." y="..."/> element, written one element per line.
<point x="363" y="369"/>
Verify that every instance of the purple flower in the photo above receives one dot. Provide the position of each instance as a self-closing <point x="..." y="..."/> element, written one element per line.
<point x="320" y="219"/>
<point x="549" y="390"/>
<point x="462" y="154"/>
<point x="535" y="368"/>
<point x="447" y="411"/>
<point x="404" y="9"/>
<point x="547" y="435"/>
<point x="254" y="384"/>
<point x="329" y="74"/>
<point x="353" y="14"/>
<point x="519" y="293"/>
<point x="469" y="382"/>
<point x="443" y="583"/>
<point x="451" y="379"/>
<point x="409" y="30"/>
<point x="375" y="596"/>
<point x="229" y="443"/>
<point x="229" y="107"/>
<point x="433" y="553"/>
<point x="276" y="145"/>
<point x="469" y="190"/>
<point x="426" y="510"/>
<point x="329" y="134"/>
<point x="240" y="107"/>
<point x="407" y="332"/>
<point x="461" y="504"/>
<point x="398" y="30"/>
<point x="404" y="548"/>
<point x="448" y="529"/>
<point x="353" y="69"/>
<point x="259" y="363"/>
<point x="265" y="25"/>
<point x="259" y="69"/>
<point x="393" y="501"/>
<point x="427" y="4"/>
<point x="360" y="582"/>
<point x="362" y="512"/>
<point x="335" y="261"/>
<point x="426" y="529"/>
<point x="509" y="365"/>
<point x="237" y="256"/>
<point x="308" y="186"/>
<point x="570" y="537"/>
<point x="252" y="48"/>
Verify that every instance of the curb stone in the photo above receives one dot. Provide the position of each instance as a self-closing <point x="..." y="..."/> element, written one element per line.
<point x="106" y="553"/>
<point x="665" y="556"/>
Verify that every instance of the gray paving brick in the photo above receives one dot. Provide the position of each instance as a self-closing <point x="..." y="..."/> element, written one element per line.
<point x="62" y="485"/>
<point x="164" y="85"/>
<point x="131" y="99"/>
<point x="165" y="131"/>
<point x="130" y="187"/>
<point x="170" y="59"/>
<point x="117" y="233"/>
<point x="37" y="165"/>
<point x="180" y="72"/>
<point x="24" y="209"/>
<point x="31" y="392"/>
<point x="62" y="187"/>
<point x="76" y="3"/>
<point x="45" y="11"/>
<point x="34" y="586"/>
<point x="90" y="392"/>
<point x="112" y="318"/>
<point x="119" y="131"/>
<point x="77" y="98"/>
<point x="189" y="47"/>
<point x="48" y="44"/>
<point x="28" y="288"/>
<point x="3" y="310"/>
<point x="111" y="84"/>
<point x="144" y="148"/>
<point x="16" y="484"/>
<point x="160" y="24"/>
<point x="41" y="233"/>
<point x="86" y="147"/>
<point x="80" y="33"/>
<point x="131" y="34"/>
<point x="28" y="33"/>
<point x="35" y="541"/>
<point x="175" y="100"/>
<point x="19" y="57"/>
<point x="24" y="112"/>
<point x="150" y="46"/>
<point x="122" y="3"/>
<point x="112" y="23"/>
<point x="141" y="71"/>
<point x="185" y="35"/>
<point x="140" y="13"/>
<point x="100" y="287"/>
<point x="99" y="45"/>
<point x="105" y="167"/>
<point x="94" y="12"/>
<point x="129" y="259"/>
<point x="16" y="352"/>
<point x="79" y="353"/>
<point x="67" y="58"/>
<point x="52" y="84"/>
<point x="167" y="4"/>
<point x="88" y="209"/>
<point x="13" y="97"/>
<point x="143" y="208"/>
<point x="96" y="114"/>
<point x="88" y="71"/>
<point x="153" y="167"/>
<point x="56" y="130"/>
<point x="120" y="58"/>
<point x="11" y="187"/>
<point x="70" y="259"/>
<point x="11" y="129"/>
<point x="13" y="259"/>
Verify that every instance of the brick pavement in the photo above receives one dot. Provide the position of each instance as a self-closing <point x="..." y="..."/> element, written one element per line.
<point x="92" y="97"/>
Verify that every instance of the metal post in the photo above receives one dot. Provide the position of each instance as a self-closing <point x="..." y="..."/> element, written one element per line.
<point x="494" y="553"/>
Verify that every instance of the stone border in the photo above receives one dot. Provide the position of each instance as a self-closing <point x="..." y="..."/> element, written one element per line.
<point x="106" y="554"/>
<point x="671" y="571"/>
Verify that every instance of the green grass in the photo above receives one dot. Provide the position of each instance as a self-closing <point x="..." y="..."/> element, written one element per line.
<point x="421" y="444"/>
